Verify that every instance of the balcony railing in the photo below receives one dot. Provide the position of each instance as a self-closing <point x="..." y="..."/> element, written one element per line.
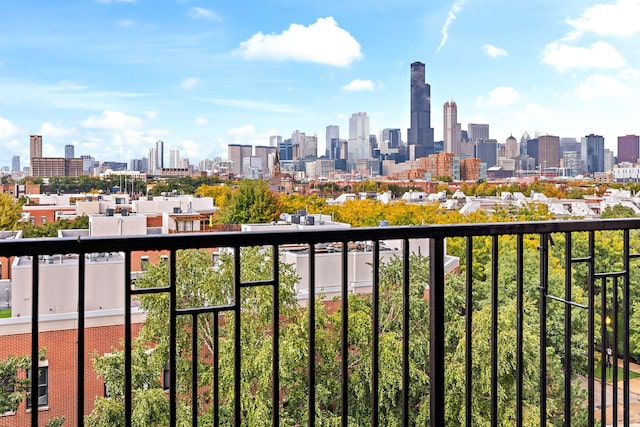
<point x="603" y="275"/>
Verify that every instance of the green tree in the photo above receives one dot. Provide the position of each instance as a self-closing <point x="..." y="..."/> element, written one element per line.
<point x="252" y="202"/>
<point x="618" y="211"/>
<point x="10" y="212"/>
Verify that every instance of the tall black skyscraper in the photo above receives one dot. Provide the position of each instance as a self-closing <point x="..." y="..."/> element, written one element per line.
<point x="420" y="134"/>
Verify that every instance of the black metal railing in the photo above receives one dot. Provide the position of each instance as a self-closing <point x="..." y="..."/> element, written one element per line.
<point x="611" y="279"/>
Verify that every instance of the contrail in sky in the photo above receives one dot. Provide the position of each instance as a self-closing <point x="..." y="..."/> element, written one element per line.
<point x="455" y="9"/>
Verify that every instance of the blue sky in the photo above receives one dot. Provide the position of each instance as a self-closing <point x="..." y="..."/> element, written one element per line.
<point x="113" y="76"/>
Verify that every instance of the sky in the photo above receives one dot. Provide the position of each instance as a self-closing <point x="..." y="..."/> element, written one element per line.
<point x="113" y="76"/>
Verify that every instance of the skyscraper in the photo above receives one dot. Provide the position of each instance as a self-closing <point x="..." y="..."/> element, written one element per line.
<point x="393" y="136"/>
<point x="420" y="134"/>
<point x="159" y="154"/>
<point x="275" y="140"/>
<point x="35" y="150"/>
<point x="69" y="151"/>
<point x="593" y="153"/>
<point x="359" y="136"/>
<point x="487" y="151"/>
<point x="628" y="148"/>
<point x="332" y="141"/>
<point x="174" y="158"/>
<point x="477" y="131"/>
<point x="451" y="127"/>
<point x="548" y="151"/>
<point x="15" y="164"/>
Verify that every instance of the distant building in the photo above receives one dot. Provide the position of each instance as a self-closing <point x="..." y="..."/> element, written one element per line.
<point x="69" y="151"/>
<point x="476" y="131"/>
<point x="628" y="148"/>
<point x="332" y="141"/>
<point x="15" y="163"/>
<point x="359" y="136"/>
<point x="159" y="163"/>
<point x="511" y="150"/>
<point x="174" y="158"/>
<point x="593" y="153"/>
<point x="420" y="134"/>
<point x="548" y="151"/>
<point x="487" y="151"/>
<point x="275" y="140"/>
<point x="452" y="130"/>
<point x="237" y="153"/>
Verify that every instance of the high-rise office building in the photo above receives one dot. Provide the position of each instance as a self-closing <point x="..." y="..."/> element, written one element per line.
<point x="476" y="131"/>
<point x="69" y="151"/>
<point x="275" y="140"/>
<point x="285" y="149"/>
<point x="392" y="136"/>
<point x="159" y="154"/>
<point x="628" y="148"/>
<point x="487" y="151"/>
<point x="511" y="150"/>
<point x="420" y="134"/>
<point x="452" y="130"/>
<point x="35" y="146"/>
<point x="174" y="158"/>
<point x="332" y="141"/>
<point x="15" y="164"/>
<point x="359" y="136"/>
<point x="548" y="151"/>
<point x="593" y="153"/>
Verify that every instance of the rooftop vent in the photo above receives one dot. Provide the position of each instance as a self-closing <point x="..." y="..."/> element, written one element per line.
<point x="109" y="211"/>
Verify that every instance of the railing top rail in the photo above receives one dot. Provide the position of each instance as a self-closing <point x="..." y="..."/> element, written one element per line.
<point x="47" y="246"/>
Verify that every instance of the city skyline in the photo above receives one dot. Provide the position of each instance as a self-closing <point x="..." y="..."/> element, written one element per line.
<point x="202" y="78"/>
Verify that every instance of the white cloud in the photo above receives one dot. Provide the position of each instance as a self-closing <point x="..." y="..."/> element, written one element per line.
<point x="599" y="55"/>
<point x="202" y="13"/>
<point x="502" y="96"/>
<point x="453" y="13"/>
<point x="246" y="130"/>
<point x="630" y="74"/>
<point x="7" y="129"/>
<point x="618" y="19"/>
<point x="151" y="115"/>
<point x="597" y="85"/>
<point x="535" y="109"/>
<point x="201" y="121"/>
<point x="253" y="105"/>
<point x="112" y="120"/>
<point x="50" y="130"/>
<point x="358" y="85"/>
<point x="493" y="51"/>
<point x="125" y="23"/>
<point x="190" y="83"/>
<point x="116" y="1"/>
<point x="322" y="42"/>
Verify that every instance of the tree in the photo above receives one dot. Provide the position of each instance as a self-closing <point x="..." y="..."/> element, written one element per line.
<point x="10" y="212"/>
<point x="618" y="211"/>
<point x="252" y="202"/>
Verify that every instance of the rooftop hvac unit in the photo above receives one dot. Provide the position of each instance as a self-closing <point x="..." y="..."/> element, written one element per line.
<point x="302" y="212"/>
<point x="177" y="210"/>
<point x="295" y="219"/>
<point x="309" y="220"/>
<point x="124" y="212"/>
<point x="109" y="212"/>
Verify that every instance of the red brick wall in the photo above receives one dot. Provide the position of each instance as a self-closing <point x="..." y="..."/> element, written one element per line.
<point x="62" y="356"/>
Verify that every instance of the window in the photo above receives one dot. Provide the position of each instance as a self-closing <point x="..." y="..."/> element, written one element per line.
<point x="43" y="387"/>
<point x="43" y="220"/>
<point x="164" y="259"/>
<point x="144" y="263"/>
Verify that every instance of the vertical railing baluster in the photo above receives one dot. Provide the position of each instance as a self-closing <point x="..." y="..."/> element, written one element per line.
<point x="494" y="330"/>
<point x="544" y="277"/>
<point x="312" y="335"/>
<point x="469" y="332"/>
<point x="591" y="332"/>
<point x="35" y="358"/>
<point x="405" y="331"/>
<point x="173" y="338"/>
<point x="275" y="357"/>
<point x="128" y="383"/>
<point x="436" y="331"/>
<point x="626" y="307"/>
<point x="216" y="369"/>
<point x="614" y="347"/>
<point x="519" y="328"/>
<point x="194" y="369"/>
<point x="603" y="349"/>
<point x="344" y="337"/>
<point x="81" y="326"/>
<point x="375" y="331"/>
<point x="568" y="371"/>
<point x="237" y="350"/>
